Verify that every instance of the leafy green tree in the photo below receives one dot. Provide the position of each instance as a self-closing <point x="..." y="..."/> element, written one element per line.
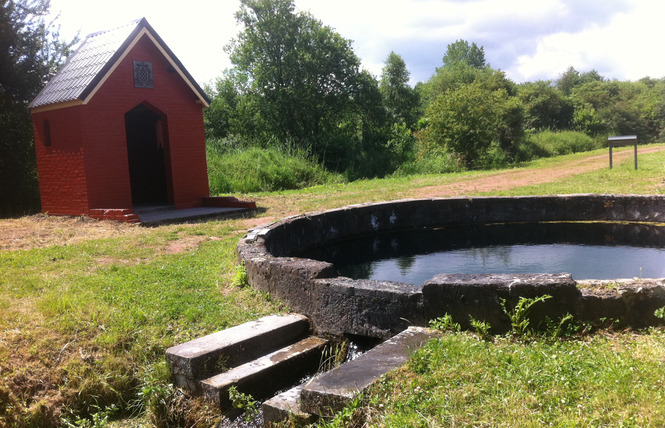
<point x="472" y="119"/>
<point x="303" y="76"/>
<point x="471" y="110"/>
<point x="463" y="52"/>
<point x="399" y="99"/>
<point x="30" y="53"/>
<point x="545" y="107"/>
<point x="572" y="78"/>
<point x="463" y="64"/>
<point x="232" y="112"/>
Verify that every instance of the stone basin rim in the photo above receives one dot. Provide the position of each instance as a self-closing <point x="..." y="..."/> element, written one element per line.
<point x="383" y="308"/>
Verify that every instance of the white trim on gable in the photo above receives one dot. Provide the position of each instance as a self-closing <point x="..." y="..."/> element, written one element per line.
<point x="145" y="32"/>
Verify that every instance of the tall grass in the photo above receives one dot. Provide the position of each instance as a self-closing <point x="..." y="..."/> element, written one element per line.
<point x="256" y="169"/>
<point x="556" y="143"/>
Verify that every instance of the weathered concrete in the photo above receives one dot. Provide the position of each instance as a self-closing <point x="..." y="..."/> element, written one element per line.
<point x="202" y="357"/>
<point x="160" y="217"/>
<point x="329" y="392"/>
<point x="380" y="309"/>
<point x="266" y="374"/>
<point x="284" y="406"/>
<point x="629" y="301"/>
<point x="480" y="297"/>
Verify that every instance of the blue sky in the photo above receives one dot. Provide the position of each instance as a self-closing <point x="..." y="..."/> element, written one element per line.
<point x="528" y="39"/>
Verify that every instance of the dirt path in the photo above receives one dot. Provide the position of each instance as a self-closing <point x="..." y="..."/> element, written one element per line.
<point x="525" y="177"/>
<point x="40" y="231"/>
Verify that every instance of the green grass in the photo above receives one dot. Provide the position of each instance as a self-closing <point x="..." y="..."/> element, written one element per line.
<point x="96" y="317"/>
<point x="459" y="380"/>
<point x="649" y="178"/>
<point x="84" y="327"/>
<point x="254" y="169"/>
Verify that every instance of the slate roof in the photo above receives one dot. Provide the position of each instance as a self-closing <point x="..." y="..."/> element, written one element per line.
<point x="86" y="69"/>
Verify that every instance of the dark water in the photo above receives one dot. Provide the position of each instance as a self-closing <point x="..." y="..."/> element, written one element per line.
<point x="585" y="250"/>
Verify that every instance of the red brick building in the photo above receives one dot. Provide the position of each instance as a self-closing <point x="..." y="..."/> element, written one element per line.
<point x="121" y="126"/>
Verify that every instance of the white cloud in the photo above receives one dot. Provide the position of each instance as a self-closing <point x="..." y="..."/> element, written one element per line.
<point x="529" y="39"/>
<point x="626" y="48"/>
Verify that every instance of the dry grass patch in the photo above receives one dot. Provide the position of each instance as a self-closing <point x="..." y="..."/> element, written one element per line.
<point x="41" y="231"/>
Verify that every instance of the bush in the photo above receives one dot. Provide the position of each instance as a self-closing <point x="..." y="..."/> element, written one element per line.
<point x="253" y="169"/>
<point x="550" y="143"/>
<point x="435" y="162"/>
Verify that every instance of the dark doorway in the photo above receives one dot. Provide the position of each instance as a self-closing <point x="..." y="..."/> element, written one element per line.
<point x="147" y="150"/>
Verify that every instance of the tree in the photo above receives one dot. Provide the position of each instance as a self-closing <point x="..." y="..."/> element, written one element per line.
<point x="232" y="112"/>
<point x="399" y="99"/>
<point x="463" y="64"/>
<point x="303" y="75"/>
<point x="572" y="78"/>
<point x="463" y="52"/>
<point x="471" y="119"/>
<point x="30" y="53"/>
<point x="545" y="107"/>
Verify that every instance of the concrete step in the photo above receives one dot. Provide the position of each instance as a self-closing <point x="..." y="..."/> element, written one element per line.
<point x="267" y="374"/>
<point x="203" y="357"/>
<point x="284" y="406"/>
<point x="329" y="392"/>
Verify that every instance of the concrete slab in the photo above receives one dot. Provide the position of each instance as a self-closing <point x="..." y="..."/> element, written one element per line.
<point x="329" y="392"/>
<point x="208" y="355"/>
<point x="285" y="405"/>
<point x="266" y="374"/>
<point x="164" y="216"/>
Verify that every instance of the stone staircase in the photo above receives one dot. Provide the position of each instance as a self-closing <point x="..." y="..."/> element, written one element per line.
<point x="273" y="354"/>
<point x="258" y="358"/>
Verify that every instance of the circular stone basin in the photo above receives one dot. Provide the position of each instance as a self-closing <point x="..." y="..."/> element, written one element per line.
<point x="380" y="308"/>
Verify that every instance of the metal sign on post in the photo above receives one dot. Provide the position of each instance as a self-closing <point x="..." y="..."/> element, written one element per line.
<point x="621" y="141"/>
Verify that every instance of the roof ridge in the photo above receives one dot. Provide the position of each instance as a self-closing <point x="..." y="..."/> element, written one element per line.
<point x="134" y="23"/>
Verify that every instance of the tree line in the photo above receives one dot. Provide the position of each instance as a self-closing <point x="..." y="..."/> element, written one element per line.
<point x="297" y="82"/>
<point x="296" y="86"/>
<point x="31" y="51"/>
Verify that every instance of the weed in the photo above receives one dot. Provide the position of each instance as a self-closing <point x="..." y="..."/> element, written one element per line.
<point x="519" y="315"/>
<point x="240" y="279"/>
<point x="350" y="416"/>
<point x="244" y="402"/>
<point x="100" y="419"/>
<point x="481" y="327"/>
<point x="660" y="313"/>
<point x="445" y="323"/>
<point x="565" y="327"/>
<point x="333" y="355"/>
<point x="255" y="169"/>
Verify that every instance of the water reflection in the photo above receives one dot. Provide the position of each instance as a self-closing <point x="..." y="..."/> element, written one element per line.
<point x="586" y="250"/>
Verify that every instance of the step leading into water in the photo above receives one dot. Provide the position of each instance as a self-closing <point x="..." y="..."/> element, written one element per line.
<point x="201" y="358"/>
<point x="329" y="392"/>
<point x="267" y="374"/>
<point x="284" y="406"/>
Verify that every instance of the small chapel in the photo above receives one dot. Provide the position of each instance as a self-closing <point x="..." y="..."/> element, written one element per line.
<point x="120" y="127"/>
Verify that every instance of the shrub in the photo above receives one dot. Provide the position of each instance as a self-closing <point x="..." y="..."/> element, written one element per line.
<point x="550" y="143"/>
<point x="436" y="161"/>
<point x="254" y="169"/>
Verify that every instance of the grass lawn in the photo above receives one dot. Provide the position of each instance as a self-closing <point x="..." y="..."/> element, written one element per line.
<point x="85" y="319"/>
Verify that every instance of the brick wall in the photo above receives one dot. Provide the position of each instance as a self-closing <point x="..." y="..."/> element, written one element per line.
<point x="106" y="152"/>
<point x="87" y="165"/>
<point x="62" y="177"/>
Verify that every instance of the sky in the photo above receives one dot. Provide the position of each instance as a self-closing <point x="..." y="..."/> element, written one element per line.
<point x="527" y="39"/>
